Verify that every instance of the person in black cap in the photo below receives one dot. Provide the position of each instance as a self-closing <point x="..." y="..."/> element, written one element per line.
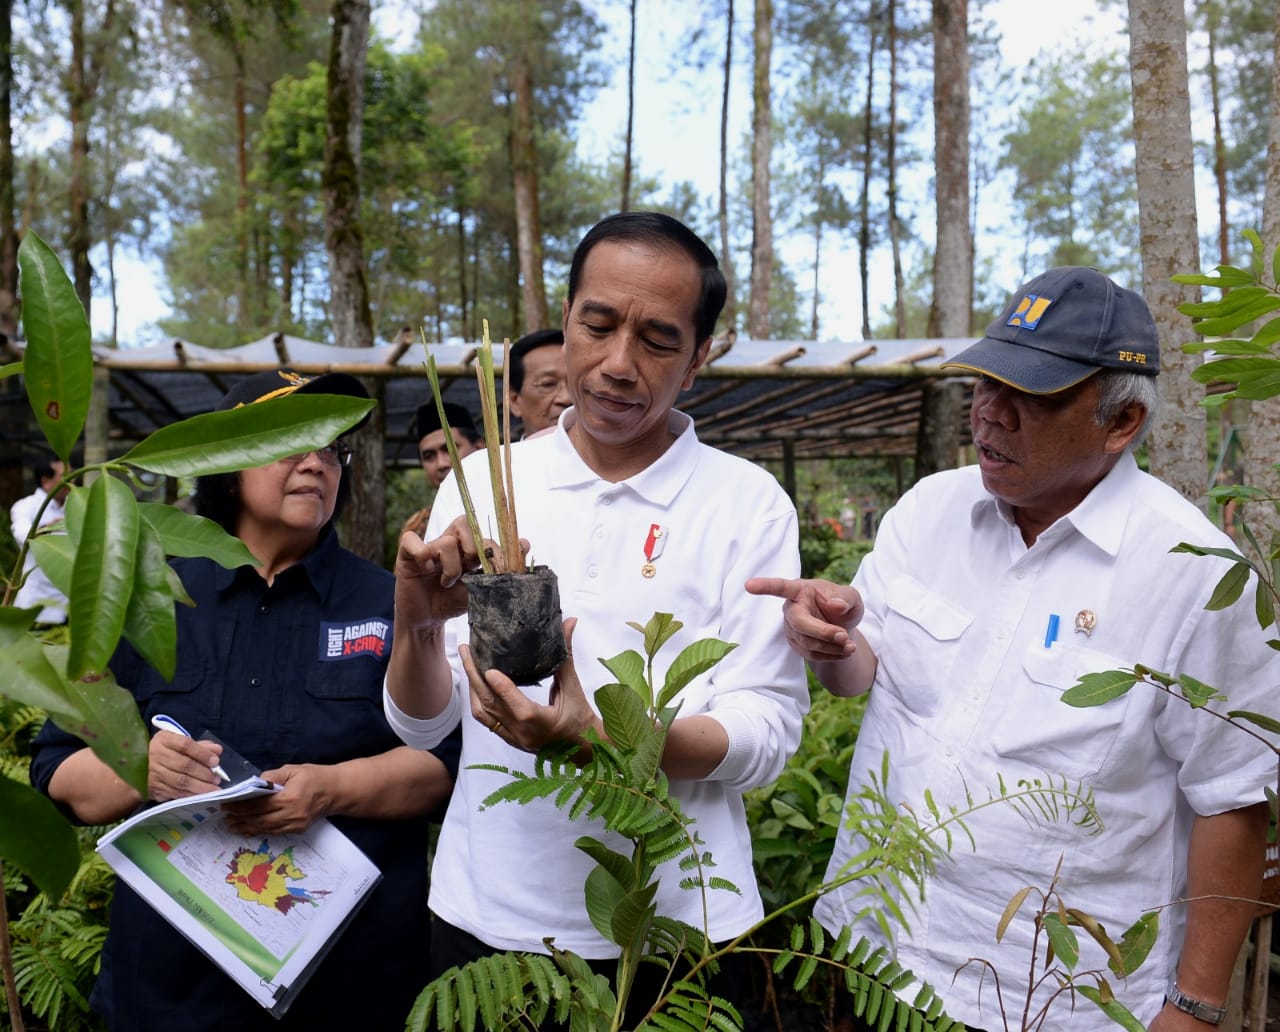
<point x="990" y="591"/>
<point x="284" y="662"/>
<point x="539" y="385"/>
<point x="433" y="452"/>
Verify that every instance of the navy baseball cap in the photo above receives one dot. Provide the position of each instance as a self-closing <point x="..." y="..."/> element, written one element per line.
<point x="1062" y="327"/>
<point x="276" y="383"/>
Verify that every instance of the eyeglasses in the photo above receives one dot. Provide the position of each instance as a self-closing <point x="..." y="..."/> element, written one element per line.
<point x="336" y="454"/>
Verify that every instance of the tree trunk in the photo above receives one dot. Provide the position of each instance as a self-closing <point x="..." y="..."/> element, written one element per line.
<point x="78" y="93"/>
<point x="464" y="305"/>
<point x="524" y="165"/>
<point x="938" y="444"/>
<point x="1262" y="437"/>
<point x="1219" y="142"/>
<point x="891" y="173"/>
<point x="761" y="151"/>
<point x="8" y="225"/>
<point x="1167" y="225"/>
<point x="952" y="265"/>
<point x="13" y="417"/>
<point x="245" y="318"/>
<point x="864" y="195"/>
<point x="631" y="113"/>
<point x="726" y="254"/>
<point x="817" y="247"/>
<point x="941" y="418"/>
<point x="348" y="282"/>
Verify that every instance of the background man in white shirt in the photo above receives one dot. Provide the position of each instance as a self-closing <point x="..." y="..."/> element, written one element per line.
<point x="990" y="591"/>
<point x="539" y="392"/>
<point x="36" y="588"/>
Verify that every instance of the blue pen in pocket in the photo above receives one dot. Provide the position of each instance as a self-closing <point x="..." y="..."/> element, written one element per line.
<point x="1051" y="632"/>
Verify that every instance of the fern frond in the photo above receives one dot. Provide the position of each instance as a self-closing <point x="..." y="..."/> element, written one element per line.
<point x="506" y="990"/>
<point x="878" y="985"/>
<point x="688" y="1007"/>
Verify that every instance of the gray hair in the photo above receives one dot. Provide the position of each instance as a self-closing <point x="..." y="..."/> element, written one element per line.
<point x="1118" y="388"/>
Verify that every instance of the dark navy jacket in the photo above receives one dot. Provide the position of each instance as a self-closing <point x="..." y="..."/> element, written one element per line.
<point x="290" y="673"/>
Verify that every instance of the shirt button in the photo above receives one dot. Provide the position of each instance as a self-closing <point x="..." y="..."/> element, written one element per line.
<point x="264" y="609"/>
<point x="599" y="532"/>
<point x="606" y="500"/>
<point x="255" y="682"/>
<point x="1020" y="574"/>
<point x="593" y="570"/>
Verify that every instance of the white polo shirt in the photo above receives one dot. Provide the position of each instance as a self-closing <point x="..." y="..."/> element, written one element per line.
<point x="968" y="690"/>
<point x="510" y="874"/>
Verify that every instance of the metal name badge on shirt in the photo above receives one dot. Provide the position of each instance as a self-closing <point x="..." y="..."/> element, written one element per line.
<point x="348" y="639"/>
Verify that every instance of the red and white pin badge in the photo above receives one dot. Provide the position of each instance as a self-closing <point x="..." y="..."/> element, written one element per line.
<point x="653" y="546"/>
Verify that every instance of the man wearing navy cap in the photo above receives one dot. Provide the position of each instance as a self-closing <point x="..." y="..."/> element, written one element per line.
<point x="990" y="591"/>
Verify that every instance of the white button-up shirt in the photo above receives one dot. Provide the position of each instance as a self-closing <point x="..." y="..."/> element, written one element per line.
<point x="967" y="692"/>
<point x="37" y="589"/>
<point x="510" y="874"/>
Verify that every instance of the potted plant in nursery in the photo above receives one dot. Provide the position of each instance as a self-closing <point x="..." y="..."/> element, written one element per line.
<point x="112" y="562"/>
<point x="513" y="607"/>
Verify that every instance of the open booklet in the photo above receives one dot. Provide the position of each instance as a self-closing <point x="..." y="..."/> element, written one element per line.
<point x="265" y="910"/>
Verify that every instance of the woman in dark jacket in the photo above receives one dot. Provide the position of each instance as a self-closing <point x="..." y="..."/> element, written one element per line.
<point x="284" y="663"/>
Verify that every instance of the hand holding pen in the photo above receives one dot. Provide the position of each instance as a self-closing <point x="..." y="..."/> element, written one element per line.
<point x="164" y="722"/>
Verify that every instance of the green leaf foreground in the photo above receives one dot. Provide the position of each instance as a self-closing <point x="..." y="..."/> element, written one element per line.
<point x="693" y="660"/>
<point x="1062" y="940"/>
<point x="100" y="711"/>
<point x="112" y="562"/>
<point x="187" y="536"/>
<point x="1097" y="689"/>
<point x="102" y="576"/>
<point x="1111" y="1007"/>
<point x="1248" y="365"/>
<point x="58" y="364"/>
<point x="1267" y="723"/>
<point x="149" y="620"/>
<point x="253" y="435"/>
<point x="36" y="838"/>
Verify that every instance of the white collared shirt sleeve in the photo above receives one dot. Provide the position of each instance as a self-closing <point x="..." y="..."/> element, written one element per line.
<point x="758" y="692"/>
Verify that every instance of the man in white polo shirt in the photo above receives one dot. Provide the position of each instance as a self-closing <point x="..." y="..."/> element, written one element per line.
<point x="636" y="517"/>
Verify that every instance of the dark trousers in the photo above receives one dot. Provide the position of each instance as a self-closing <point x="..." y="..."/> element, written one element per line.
<point x="452" y="947"/>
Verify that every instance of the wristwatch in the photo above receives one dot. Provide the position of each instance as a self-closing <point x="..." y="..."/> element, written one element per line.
<point x="1196" y="1008"/>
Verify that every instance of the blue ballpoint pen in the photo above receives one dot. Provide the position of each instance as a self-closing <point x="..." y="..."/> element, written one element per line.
<point x="164" y="722"/>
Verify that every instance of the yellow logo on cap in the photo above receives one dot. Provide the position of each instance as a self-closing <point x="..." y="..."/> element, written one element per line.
<point x="1029" y="312"/>
<point x="292" y="382"/>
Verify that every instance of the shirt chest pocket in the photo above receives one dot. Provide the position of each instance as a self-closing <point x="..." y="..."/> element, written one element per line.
<point x="193" y="697"/>
<point x="1042" y="731"/>
<point x="340" y="708"/>
<point x="919" y="644"/>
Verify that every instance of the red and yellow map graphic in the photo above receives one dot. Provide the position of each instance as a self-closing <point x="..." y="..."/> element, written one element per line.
<point x="262" y="878"/>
